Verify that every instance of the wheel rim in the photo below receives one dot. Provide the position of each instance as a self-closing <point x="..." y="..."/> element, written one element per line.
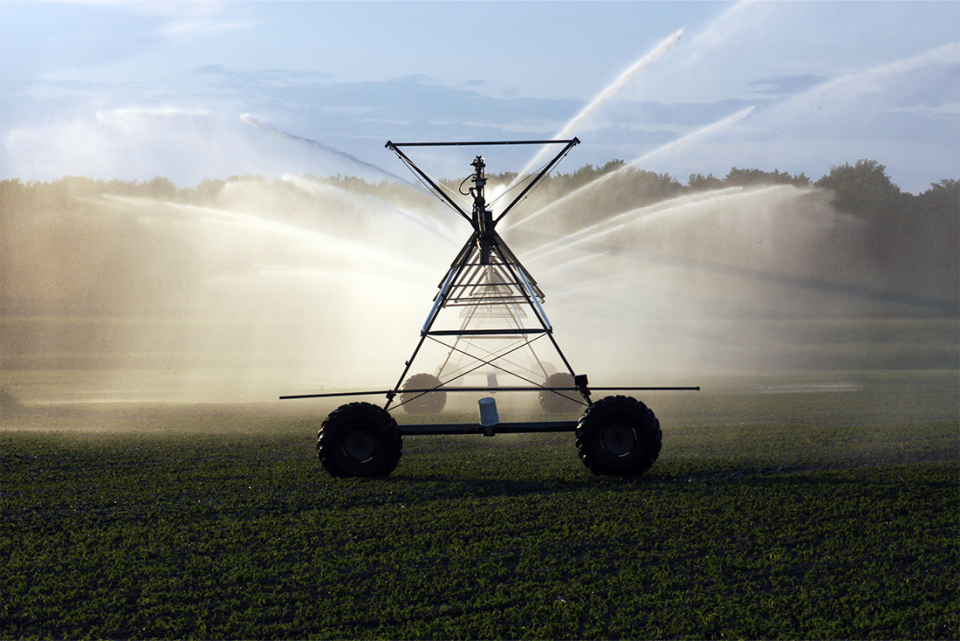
<point x="359" y="445"/>
<point x="618" y="438"/>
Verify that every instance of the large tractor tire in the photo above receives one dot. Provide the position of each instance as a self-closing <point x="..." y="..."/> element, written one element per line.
<point x="555" y="402"/>
<point x="618" y="435"/>
<point x="420" y="402"/>
<point x="359" y="439"/>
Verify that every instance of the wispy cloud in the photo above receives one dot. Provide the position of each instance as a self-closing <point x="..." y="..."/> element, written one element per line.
<point x="193" y="28"/>
<point x="155" y="7"/>
<point x="265" y="77"/>
<point x="931" y="79"/>
<point x="786" y="85"/>
<point x="191" y="19"/>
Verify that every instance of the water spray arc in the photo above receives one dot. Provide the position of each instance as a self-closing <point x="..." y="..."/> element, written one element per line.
<point x="611" y="226"/>
<point x="488" y="318"/>
<point x="250" y="120"/>
<point x="629" y="74"/>
<point x="679" y="142"/>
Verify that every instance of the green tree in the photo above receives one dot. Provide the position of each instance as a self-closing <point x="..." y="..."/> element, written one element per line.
<point x="699" y="182"/>
<point x="942" y="199"/>
<point x="159" y="187"/>
<point x="750" y="177"/>
<point x="864" y="189"/>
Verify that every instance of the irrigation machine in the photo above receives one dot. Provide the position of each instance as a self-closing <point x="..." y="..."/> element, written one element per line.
<point x="487" y="319"/>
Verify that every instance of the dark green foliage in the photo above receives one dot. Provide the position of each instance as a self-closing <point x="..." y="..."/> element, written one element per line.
<point x="775" y="513"/>
<point x="935" y="215"/>
<point x="746" y="178"/>
<point x="699" y="182"/>
<point x="912" y="242"/>
<point x="754" y="177"/>
<point x="864" y="189"/>
<point x="942" y="199"/>
<point x="588" y="173"/>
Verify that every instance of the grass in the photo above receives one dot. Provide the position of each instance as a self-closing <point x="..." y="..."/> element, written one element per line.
<point x="779" y="508"/>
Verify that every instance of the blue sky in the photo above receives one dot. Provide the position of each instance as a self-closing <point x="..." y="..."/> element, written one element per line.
<point x="135" y="90"/>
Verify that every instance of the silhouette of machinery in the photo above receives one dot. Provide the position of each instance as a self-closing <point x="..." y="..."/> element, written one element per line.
<point x="488" y="319"/>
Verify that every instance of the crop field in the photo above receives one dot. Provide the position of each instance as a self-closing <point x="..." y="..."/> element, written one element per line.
<point x="787" y="506"/>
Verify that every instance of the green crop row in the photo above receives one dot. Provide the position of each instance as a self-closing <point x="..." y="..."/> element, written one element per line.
<point x="767" y="529"/>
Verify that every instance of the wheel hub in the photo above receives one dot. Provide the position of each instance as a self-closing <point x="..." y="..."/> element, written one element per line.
<point x="359" y="445"/>
<point x="618" y="439"/>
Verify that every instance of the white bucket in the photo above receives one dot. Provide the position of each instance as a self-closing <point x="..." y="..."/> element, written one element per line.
<point x="488" y="412"/>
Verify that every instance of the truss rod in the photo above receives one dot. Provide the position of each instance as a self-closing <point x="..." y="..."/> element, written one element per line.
<point x="495" y="389"/>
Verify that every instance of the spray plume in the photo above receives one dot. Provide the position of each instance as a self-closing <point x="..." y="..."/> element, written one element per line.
<point x="870" y="84"/>
<point x="679" y="142"/>
<point x="616" y="223"/>
<point x="729" y="26"/>
<point x="314" y="188"/>
<point x="609" y="92"/>
<point x="697" y="135"/>
<point x="250" y="120"/>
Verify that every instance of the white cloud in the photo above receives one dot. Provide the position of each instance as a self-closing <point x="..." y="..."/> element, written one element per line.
<point x="155" y="7"/>
<point x="192" y="28"/>
<point x="191" y="19"/>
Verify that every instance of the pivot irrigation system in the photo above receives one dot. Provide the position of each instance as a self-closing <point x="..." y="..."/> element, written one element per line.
<point x="488" y="320"/>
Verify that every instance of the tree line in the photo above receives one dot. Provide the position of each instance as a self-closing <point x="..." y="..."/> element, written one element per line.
<point x="863" y="189"/>
<point x="905" y="233"/>
<point x="83" y="248"/>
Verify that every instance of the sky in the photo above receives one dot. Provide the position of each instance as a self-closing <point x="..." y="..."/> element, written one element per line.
<point x="193" y="90"/>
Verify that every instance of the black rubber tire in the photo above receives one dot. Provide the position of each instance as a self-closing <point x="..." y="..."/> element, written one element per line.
<point x="555" y="402"/>
<point x="618" y="435"/>
<point x="419" y="403"/>
<point x="359" y="439"/>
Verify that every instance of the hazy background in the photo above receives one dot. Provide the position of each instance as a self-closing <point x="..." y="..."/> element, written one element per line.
<point x="205" y="255"/>
<point x="250" y="288"/>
